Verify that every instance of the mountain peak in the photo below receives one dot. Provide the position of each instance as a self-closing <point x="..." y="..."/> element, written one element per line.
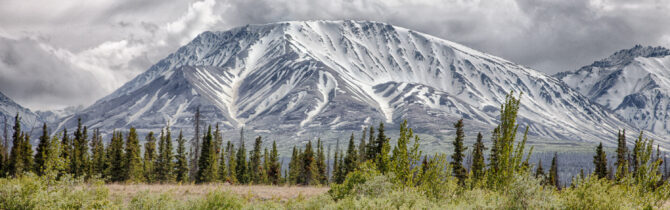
<point x="625" y="56"/>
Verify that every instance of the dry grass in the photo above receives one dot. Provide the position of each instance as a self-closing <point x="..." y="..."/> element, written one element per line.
<point x="125" y="192"/>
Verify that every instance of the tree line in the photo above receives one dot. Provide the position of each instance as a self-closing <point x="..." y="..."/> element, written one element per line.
<point x="210" y="160"/>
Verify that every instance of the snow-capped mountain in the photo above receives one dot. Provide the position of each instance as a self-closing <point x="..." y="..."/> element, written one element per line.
<point x="634" y="83"/>
<point x="9" y="109"/>
<point x="315" y="77"/>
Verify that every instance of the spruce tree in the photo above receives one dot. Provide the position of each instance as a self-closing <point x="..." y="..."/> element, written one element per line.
<point x="133" y="162"/>
<point x="206" y="162"/>
<point x="181" y="164"/>
<point x="293" y="167"/>
<point x="217" y="141"/>
<point x="600" y="162"/>
<point x="336" y="166"/>
<point x="638" y="148"/>
<point x="381" y="150"/>
<point x="42" y="151"/>
<point x="66" y="151"/>
<point x="457" y="156"/>
<point x="553" y="172"/>
<point x="361" y="148"/>
<point x="351" y="159"/>
<point x="241" y="170"/>
<point x="98" y="155"/>
<point x="539" y="171"/>
<point x="478" y="158"/>
<point x="621" y="156"/>
<point x="80" y="157"/>
<point x="370" y="147"/>
<point x="15" y="165"/>
<point x="274" y="171"/>
<point x="116" y="157"/>
<point x="255" y="166"/>
<point x="223" y="166"/>
<point x="266" y="165"/>
<point x="149" y="157"/>
<point x="164" y="162"/>
<point x="321" y="175"/>
<point x="27" y="153"/>
<point x="308" y="165"/>
<point x="232" y="163"/>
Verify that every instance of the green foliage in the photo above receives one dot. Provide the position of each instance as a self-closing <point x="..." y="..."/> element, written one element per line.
<point x="149" y="158"/>
<point x="206" y="163"/>
<point x="351" y="159"/>
<point x="321" y="175"/>
<point x="308" y="172"/>
<point x="116" y="158"/>
<point x="181" y="164"/>
<point x="405" y="158"/>
<point x="164" y="166"/>
<point x="42" y="151"/>
<point x="80" y="157"/>
<point x="553" y="178"/>
<point x="241" y="169"/>
<point x="255" y="166"/>
<point x="506" y="157"/>
<point x="98" y="156"/>
<point x="274" y="172"/>
<point x="621" y="156"/>
<point x="478" y="159"/>
<point x="458" y="155"/>
<point x="132" y="163"/>
<point x="600" y="162"/>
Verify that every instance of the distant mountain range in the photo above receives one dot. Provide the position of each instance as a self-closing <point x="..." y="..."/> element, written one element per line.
<point x="295" y="80"/>
<point x="634" y="83"/>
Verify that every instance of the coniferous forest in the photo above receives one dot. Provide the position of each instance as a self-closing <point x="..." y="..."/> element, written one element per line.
<point x="69" y="170"/>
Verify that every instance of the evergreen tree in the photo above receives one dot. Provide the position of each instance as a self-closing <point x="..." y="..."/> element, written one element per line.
<point x="321" y="176"/>
<point x="26" y="153"/>
<point x="370" y="147"/>
<point x="308" y="165"/>
<point x="206" y="162"/>
<point x="149" y="157"/>
<point x="621" y="156"/>
<point x="255" y="166"/>
<point x="274" y="171"/>
<point x="80" y="158"/>
<point x="116" y="157"/>
<point x="164" y="162"/>
<point x="361" y="148"/>
<point x="638" y="148"/>
<point x="223" y="166"/>
<point x="15" y="166"/>
<point x="600" y="162"/>
<point x="351" y="159"/>
<point x="478" y="158"/>
<point x="241" y="167"/>
<point x="381" y="150"/>
<point x="42" y="151"/>
<point x="232" y="163"/>
<point x="266" y="166"/>
<point x="337" y="176"/>
<point x="294" y="167"/>
<point x="181" y="164"/>
<point x="553" y="172"/>
<point x="66" y="150"/>
<point x="457" y="156"/>
<point x="539" y="172"/>
<point x="217" y="142"/>
<point x="132" y="162"/>
<point x="98" y="155"/>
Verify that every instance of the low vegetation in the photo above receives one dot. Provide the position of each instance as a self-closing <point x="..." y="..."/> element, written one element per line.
<point x="370" y="174"/>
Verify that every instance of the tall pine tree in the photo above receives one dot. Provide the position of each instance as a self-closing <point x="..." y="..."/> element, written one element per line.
<point x="149" y="157"/>
<point x="255" y="166"/>
<point x="308" y="165"/>
<point x="207" y="155"/>
<point x="478" y="158"/>
<point x="80" y="157"/>
<point x="553" y="172"/>
<point x="97" y="155"/>
<point x="116" y="157"/>
<point x="133" y="162"/>
<point x="621" y="156"/>
<point x="274" y="171"/>
<point x="42" y="151"/>
<point x="600" y="162"/>
<point x="457" y="156"/>
<point x="164" y="161"/>
<point x="241" y="170"/>
<point x="321" y="176"/>
<point x="181" y="164"/>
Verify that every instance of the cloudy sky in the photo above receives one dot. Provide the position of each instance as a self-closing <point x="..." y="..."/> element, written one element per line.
<point x="55" y="54"/>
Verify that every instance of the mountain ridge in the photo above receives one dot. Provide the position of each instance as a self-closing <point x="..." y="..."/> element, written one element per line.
<point x="306" y="77"/>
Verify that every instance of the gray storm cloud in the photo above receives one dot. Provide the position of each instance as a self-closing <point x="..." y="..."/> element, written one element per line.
<point x="92" y="48"/>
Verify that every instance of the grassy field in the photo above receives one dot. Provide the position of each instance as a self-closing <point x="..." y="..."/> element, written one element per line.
<point x="126" y="192"/>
